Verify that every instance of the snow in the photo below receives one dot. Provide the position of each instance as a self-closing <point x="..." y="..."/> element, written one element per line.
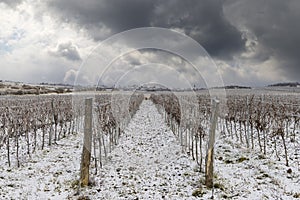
<point x="148" y="163"/>
<point x="258" y="176"/>
<point x="48" y="175"/>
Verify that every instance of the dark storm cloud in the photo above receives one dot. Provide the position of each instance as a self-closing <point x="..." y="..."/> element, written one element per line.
<point x="115" y="14"/>
<point x="275" y="23"/>
<point x="203" y="20"/>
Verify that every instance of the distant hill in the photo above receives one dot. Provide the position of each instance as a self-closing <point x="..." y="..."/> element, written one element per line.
<point x="18" y="88"/>
<point x="234" y="87"/>
<point x="292" y="84"/>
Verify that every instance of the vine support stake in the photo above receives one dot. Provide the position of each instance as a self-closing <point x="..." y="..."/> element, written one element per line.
<point x="87" y="143"/>
<point x="209" y="166"/>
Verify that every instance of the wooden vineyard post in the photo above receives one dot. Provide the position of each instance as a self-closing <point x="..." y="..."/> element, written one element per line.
<point x="87" y="143"/>
<point x="209" y="165"/>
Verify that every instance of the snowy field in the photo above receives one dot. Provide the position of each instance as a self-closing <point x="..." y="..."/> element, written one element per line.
<point x="148" y="163"/>
<point x="248" y="174"/>
<point x="50" y="174"/>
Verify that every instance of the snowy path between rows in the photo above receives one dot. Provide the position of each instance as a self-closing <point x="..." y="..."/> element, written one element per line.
<point x="147" y="163"/>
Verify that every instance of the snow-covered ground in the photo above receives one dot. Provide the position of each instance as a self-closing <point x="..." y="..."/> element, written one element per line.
<point x="49" y="174"/>
<point x="248" y="174"/>
<point x="148" y="163"/>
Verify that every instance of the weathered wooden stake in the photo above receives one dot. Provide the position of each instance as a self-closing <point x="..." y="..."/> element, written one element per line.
<point x="87" y="143"/>
<point x="209" y="167"/>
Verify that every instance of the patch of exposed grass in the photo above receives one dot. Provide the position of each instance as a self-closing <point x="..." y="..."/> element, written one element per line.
<point x="296" y="195"/>
<point x="242" y="159"/>
<point x="75" y="184"/>
<point x="198" y="192"/>
<point x="219" y="186"/>
<point x="229" y="161"/>
<point x="263" y="176"/>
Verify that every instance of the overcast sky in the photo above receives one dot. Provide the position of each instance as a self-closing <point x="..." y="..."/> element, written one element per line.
<point x="252" y="42"/>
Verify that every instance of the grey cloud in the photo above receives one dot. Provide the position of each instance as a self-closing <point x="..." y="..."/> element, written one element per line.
<point x="114" y="14"/>
<point x="272" y="32"/>
<point x="50" y="71"/>
<point x="203" y="20"/>
<point x="165" y="65"/>
<point x="275" y="24"/>
<point x="11" y="3"/>
<point x="66" y="50"/>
